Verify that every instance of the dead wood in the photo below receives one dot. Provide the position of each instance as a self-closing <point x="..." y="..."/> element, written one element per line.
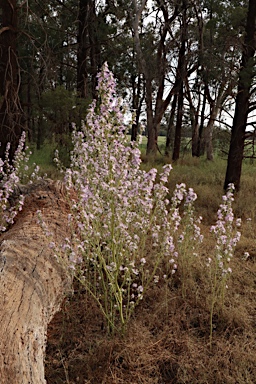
<point x="32" y="282"/>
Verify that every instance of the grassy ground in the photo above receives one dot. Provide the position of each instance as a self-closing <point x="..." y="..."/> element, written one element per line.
<point x="167" y="340"/>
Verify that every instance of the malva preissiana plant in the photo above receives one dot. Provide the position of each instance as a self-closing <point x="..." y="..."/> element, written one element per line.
<point x="128" y="234"/>
<point x="13" y="173"/>
<point x="226" y="235"/>
<point x="123" y="227"/>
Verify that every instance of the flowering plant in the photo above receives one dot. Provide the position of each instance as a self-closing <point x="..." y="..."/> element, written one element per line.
<point x="122" y="225"/>
<point x="12" y="174"/>
<point x="187" y="231"/>
<point x="10" y="177"/>
<point x="226" y="236"/>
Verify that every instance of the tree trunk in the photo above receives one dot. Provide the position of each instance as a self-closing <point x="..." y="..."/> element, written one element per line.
<point x="10" y="110"/>
<point x="154" y="117"/>
<point x="209" y="130"/>
<point x="88" y="53"/>
<point x="215" y="106"/>
<point x="170" y="126"/>
<point x="40" y="120"/>
<point x="180" y="77"/>
<point x="200" y="144"/>
<point x="194" y="117"/>
<point x="236" y="149"/>
<point x="138" y="96"/>
<point x="195" y="135"/>
<point x="95" y="51"/>
<point x="151" y="127"/>
<point x="208" y="139"/>
<point x="178" y="128"/>
<point x="32" y="284"/>
<point x="83" y="48"/>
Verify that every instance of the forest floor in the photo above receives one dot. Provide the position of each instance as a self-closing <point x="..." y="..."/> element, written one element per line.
<point x="167" y="340"/>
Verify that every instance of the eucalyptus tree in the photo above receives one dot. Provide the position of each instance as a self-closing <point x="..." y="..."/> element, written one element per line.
<point x="89" y="47"/>
<point x="182" y="54"/>
<point x="10" y="108"/>
<point x="194" y="46"/>
<point x="215" y="46"/>
<point x="58" y="56"/>
<point x="224" y="48"/>
<point x="47" y="37"/>
<point x="181" y="73"/>
<point x="156" y="60"/>
<point x="115" y="39"/>
<point x="242" y="108"/>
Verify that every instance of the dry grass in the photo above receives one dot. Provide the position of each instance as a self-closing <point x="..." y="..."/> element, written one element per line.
<point x="168" y="338"/>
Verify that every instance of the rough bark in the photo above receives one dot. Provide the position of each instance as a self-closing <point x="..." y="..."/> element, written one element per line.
<point x="178" y="128"/>
<point x="194" y="116"/>
<point x="170" y="126"/>
<point x="138" y="96"/>
<point x="200" y="144"/>
<point x="208" y="134"/>
<point x="180" y="77"/>
<point x="95" y="49"/>
<point x="83" y="49"/>
<point x="32" y="284"/>
<point x="247" y="72"/>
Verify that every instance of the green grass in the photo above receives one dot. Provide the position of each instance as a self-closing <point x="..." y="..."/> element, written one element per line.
<point x="161" y="141"/>
<point x="44" y="158"/>
<point x="206" y="178"/>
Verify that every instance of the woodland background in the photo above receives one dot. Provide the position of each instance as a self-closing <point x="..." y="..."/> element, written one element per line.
<point x="185" y="68"/>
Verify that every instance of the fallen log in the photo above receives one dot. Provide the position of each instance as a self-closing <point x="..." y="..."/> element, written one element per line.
<point x="33" y="283"/>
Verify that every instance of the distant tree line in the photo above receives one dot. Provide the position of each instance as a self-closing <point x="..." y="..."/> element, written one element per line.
<point x="174" y="60"/>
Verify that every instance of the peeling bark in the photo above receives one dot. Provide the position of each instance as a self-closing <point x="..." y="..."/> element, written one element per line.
<point x="32" y="283"/>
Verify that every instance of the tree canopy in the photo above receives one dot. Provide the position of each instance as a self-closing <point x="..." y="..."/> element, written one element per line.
<point x="177" y="64"/>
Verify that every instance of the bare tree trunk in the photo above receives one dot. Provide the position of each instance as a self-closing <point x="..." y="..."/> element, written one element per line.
<point x="208" y="139"/>
<point x="32" y="284"/>
<point x="215" y="107"/>
<point x="138" y="96"/>
<point x="170" y="126"/>
<point x="83" y="49"/>
<point x="180" y="77"/>
<point x="151" y="126"/>
<point x="178" y="128"/>
<point x="200" y="143"/>
<point x="88" y="53"/>
<point x="95" y="51"/>
<point x="40" y="120"/>
<point x="194" y="117"/>
<point x="247" y="70"/>
<point x="10" y="110"/>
